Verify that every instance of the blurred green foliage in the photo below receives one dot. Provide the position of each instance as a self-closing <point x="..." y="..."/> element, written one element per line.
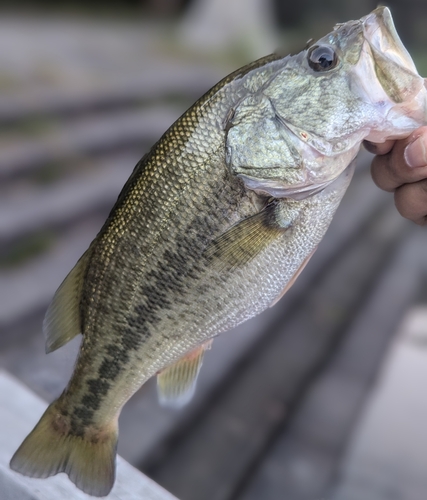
<point x="26" y="248"/>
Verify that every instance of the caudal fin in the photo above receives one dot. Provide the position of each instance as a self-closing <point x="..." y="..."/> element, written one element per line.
<point x="50" y="449"/>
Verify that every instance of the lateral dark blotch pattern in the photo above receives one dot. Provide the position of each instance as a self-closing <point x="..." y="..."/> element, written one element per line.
<point x="109" y="369"/>
<point x="97" y="389"/>
<point x="164" y="285"/>
<point x="82" y="417"/>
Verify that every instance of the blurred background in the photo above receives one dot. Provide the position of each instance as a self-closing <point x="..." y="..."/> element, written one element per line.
<point x="321" y="397"/>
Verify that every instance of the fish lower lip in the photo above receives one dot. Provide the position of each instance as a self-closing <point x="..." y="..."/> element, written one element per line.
<point x="381" y="34"/>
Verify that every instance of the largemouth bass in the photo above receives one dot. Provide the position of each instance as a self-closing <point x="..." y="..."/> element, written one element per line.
<point x="212" y="227"/>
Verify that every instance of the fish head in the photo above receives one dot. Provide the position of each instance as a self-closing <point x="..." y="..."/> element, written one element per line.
<point x="315" y="108"/>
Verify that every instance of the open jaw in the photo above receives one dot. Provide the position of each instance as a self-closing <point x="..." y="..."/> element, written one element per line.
<point x="396" y="89"/>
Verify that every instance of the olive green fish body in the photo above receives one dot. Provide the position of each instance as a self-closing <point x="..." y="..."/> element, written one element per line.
<point x="148" y="260"/>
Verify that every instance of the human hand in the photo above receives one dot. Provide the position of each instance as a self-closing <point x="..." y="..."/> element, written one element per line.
<point x="401" y="166"/>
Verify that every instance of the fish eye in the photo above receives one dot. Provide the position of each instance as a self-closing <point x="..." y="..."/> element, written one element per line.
<point x="322" y="58"/>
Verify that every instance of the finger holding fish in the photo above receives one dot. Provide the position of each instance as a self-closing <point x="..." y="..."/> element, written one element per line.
<point x="403" y="170"/>
<point x="405" y="163"/>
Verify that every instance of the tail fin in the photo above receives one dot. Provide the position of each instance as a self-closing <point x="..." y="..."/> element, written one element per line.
<point x="50" y="449"/>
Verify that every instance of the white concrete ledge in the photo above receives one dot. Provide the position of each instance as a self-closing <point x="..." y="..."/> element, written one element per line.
<point x="20" y="410"/>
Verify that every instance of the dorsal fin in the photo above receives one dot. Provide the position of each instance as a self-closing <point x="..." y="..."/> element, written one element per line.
<point x="62" y="320"/>
<point x="176" y="383"/>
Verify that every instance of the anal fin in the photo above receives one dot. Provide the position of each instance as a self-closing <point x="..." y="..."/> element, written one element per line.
<point x="176" y="383"/>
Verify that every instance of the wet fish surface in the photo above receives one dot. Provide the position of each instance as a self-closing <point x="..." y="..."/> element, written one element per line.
<point x="213" y="226"/>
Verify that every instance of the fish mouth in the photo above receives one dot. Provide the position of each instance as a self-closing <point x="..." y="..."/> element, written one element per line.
<point x="381" y="34"/>
<point x="393" y="65"/>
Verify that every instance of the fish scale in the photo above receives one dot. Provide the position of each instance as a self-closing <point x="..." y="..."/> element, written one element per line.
<point x="212" y="227"/>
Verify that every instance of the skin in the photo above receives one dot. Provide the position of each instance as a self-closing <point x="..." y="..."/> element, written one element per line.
<point x="401" y="167"/>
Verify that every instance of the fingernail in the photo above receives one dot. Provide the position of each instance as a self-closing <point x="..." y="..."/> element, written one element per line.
<point x="415" y="153"/>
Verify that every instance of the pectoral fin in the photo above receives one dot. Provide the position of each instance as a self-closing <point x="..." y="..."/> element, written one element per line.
<point x="245" y="240"/>
<point x="177" y="383"/>
<point x="62" y="320"/>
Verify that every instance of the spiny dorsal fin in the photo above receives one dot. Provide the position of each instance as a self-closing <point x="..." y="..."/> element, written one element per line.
<point x="176" y="383"/>
<point x="62" y="320"/>
<point x="245" y="240"/>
